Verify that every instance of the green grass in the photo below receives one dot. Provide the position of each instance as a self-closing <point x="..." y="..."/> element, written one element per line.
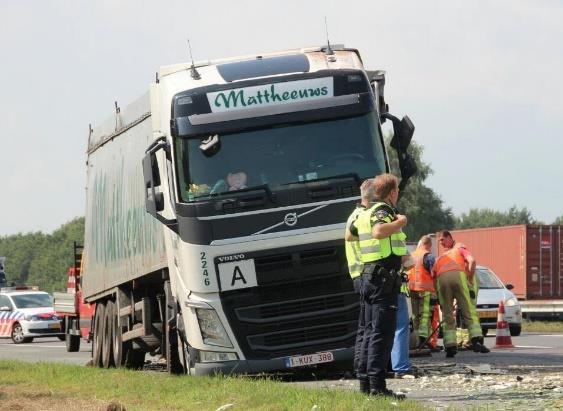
<point x="49" y="384"/>
<point x="542" y="326"/>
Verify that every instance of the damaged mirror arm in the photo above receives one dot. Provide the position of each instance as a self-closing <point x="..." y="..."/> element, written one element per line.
<point x="402" y="137"/>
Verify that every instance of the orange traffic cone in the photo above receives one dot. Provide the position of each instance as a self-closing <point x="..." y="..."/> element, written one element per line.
<point x="503" y="340"/>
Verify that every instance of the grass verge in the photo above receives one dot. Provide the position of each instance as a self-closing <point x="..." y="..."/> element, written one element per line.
<point x="46" y="386"/>
<point x="542" y="326"/>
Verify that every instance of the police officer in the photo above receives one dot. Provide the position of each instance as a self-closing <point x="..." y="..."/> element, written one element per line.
<point x="382" y="246"/>
<point x="355" y="264"/>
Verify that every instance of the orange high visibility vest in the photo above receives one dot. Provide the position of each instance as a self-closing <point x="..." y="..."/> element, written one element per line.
<point x="420" y="279"/>
<point x="451" y="260"/>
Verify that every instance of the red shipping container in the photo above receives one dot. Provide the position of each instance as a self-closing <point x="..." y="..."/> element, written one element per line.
<point x="530" y="257"/>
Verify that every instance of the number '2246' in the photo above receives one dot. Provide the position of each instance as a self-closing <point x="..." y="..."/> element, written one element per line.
<point x="205" y="273"/>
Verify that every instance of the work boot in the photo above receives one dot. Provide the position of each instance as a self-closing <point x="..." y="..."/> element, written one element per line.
<point x="478" y="346"/>
<point x="364" y="385"/>
<point x="384" y="392"/>
<point x="451" y="352"/>
<point x="422" y="343"/>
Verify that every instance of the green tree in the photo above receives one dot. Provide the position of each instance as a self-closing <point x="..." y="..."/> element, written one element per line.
<point x="559" y="220"/>
<point x="422" y="206"/>
<point x="486" y="217"/>
<point x="42" y="259"/>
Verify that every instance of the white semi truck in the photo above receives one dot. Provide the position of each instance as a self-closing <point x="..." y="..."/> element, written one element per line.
<point x="216" y="206"/>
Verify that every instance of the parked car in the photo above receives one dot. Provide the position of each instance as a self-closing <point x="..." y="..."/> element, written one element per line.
<point x="26" y="313"/>
<point x="491" y="292"/>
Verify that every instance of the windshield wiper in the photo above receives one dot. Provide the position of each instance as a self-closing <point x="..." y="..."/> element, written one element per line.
<point x="261" y="187"/>
<point x="336" y="177"/>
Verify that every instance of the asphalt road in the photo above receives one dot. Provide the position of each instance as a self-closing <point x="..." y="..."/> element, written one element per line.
<point x="532" y="351"/>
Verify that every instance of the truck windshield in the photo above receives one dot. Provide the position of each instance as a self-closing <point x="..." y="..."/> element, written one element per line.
<point x="282" y="155"/>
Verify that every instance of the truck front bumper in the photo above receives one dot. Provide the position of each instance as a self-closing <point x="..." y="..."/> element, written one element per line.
<point x="345" y="355"/>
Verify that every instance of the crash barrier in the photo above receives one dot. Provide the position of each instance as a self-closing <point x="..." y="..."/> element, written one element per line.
<point x="503" y="338"/>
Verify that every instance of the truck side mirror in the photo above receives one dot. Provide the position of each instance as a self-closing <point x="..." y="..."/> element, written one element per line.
<point x="154" y="199"/>
<point x="404" y="130"/>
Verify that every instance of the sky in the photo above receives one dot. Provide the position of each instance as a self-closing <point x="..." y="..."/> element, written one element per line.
<point x="481" y="80"/>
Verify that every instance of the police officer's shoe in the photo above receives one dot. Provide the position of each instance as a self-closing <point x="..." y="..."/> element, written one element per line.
<point x="384" y="392"/>
<point x="364" y="385"/>
<point x="451" y="352"/>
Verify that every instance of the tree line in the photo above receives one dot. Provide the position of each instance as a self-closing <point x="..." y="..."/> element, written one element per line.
<point x="43" y="259"/>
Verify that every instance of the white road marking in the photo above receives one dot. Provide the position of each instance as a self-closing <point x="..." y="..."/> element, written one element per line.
<point x="533" y="346"/>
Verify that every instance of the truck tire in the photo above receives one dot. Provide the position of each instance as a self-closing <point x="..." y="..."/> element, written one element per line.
<point x="72" y="342"/>
<point x="173" y="363"/>
<point x="107" y="344"/>
<point x="515" y="330"/>
<point x="97" y="340"/>
<point x="119" y="347"/>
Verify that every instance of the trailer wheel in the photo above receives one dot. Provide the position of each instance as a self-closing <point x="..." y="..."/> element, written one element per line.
<point x="107" y="344"/>
<point x="173" y="363"/>
<point x="72" y="342"/>
<point x="97" y="340"/>
<point x="119" y="347"/>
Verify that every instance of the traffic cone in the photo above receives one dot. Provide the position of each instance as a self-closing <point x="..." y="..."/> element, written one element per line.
<point x="503" y="340"/>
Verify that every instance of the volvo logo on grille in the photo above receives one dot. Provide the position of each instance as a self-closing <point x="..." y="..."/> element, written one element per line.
<point x="290" y="219"/>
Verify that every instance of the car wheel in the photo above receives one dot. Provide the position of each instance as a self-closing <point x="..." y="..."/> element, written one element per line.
<point x="515" y="330"/>
<point x="17" y="334"/>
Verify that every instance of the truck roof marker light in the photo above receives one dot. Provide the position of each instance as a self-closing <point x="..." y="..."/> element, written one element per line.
<point x="193" y="72"/>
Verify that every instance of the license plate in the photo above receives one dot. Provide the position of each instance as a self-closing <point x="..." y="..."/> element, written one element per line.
<point x="488" y="314"/>
<point x="310" y="359"/>
<point x="55" y="326"/>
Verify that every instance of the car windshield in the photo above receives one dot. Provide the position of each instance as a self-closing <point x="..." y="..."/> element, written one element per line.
<point x="487" y="280"/>
<point x="32" y="300"/>
<point x="281" y="155"/>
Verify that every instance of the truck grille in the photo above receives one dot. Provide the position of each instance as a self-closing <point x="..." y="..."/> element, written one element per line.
<point x="304" y="303"/>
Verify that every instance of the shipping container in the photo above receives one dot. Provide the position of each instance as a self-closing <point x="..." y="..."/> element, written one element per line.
<point x="530" y="257"/>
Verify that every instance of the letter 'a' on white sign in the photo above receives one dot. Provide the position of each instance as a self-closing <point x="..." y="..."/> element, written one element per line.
<point x="271" y="94"/>
<point x="237" y="274"/>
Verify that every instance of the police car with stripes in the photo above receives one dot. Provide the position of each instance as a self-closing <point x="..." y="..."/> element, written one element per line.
<point x="27" y="313"/>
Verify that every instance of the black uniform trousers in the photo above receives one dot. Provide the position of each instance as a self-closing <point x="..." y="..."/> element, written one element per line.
<point x="380" y="318"/>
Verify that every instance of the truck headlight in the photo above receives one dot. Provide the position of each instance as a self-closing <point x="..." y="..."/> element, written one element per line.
<point x="212" y="331"/>
<point x="511" y="302"/>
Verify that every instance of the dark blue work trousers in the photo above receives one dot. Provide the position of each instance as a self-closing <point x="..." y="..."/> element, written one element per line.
<point x="380" y="322"/>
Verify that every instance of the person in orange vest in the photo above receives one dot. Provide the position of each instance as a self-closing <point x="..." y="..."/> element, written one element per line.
<point x="451" y="283"/>
<point x="422" y="291"/>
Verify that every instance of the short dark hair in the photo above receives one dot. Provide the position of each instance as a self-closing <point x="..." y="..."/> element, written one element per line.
<point x="444" y="233"/>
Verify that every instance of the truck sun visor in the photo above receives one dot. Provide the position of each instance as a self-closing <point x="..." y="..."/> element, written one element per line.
<point x="261" y="67"/>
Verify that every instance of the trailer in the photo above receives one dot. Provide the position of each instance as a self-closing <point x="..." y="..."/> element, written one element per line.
<point x="216" y="206"/>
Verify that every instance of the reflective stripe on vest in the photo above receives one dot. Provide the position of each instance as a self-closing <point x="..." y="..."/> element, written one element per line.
<point x="451" y="260"/>
<point x="373" y="249"/>
<point x="420" y="278"/>
<point x="355" y="265"/>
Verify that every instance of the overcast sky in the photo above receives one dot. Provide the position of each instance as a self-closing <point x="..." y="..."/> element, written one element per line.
<point x="481" y="80"/>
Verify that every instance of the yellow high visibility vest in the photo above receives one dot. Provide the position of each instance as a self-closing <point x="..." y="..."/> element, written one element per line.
<point x="355" y="265"/>
<point x="373" y="249"/>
